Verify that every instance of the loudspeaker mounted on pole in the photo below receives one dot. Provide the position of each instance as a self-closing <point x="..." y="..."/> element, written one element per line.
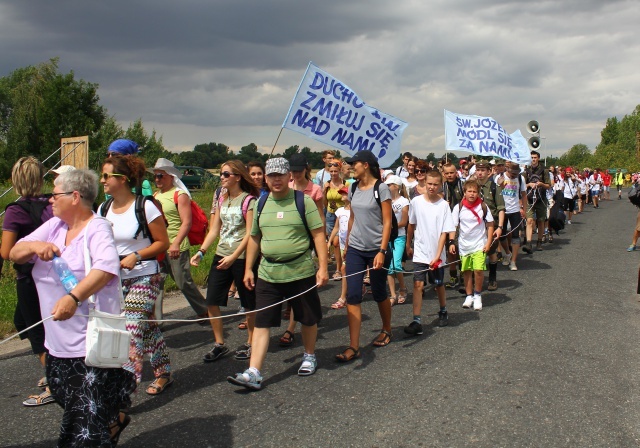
<point x="533" y="127"/>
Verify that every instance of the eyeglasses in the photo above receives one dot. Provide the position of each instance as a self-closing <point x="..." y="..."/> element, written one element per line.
<point x="55" y="195"/>
<point x="106" y="176"/>
<point x="158" y="176"/>
<point x="420" y="171"/>
<point x="334" y="164"/>
<point x="227" y="174"/>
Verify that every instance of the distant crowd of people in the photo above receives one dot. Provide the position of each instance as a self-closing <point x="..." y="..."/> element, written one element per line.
<point x="274" y="231"/>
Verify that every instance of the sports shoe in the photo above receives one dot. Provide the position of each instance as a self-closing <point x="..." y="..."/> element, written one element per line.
<point x="631" y="248"/>
<point x="217" y="352"/>
<point x="443" y="318"/>
<point x="414" y="328"/>
<point x="512" y="266"/>
<point x="477" y="302"/>
<point x="527" y="248"/>
<point x="247" y="379"/>
<point x="468" y="302"/>
<point x="243" y="352"/>
<point x="506" y="260"/>
<point x="568" y="221"/>
<point x="308" y="366"/>
<point x="452" y="283"/>
<point x="493" y="285"/>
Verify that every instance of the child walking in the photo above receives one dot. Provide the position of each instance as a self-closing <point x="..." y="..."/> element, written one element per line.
<point x="475" y="228"/>
<point x="400" y="207"/>
<point x="340" y="231"/>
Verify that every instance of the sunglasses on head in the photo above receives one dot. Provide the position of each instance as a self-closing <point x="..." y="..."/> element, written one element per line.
<point x="227" y="174"/>
<point x="106" y="176"/>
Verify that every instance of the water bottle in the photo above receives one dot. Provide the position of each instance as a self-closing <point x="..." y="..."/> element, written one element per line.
<point x="68" y="280"/>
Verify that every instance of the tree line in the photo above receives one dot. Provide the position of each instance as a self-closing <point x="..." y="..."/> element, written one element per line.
<point x="39" y="106"/>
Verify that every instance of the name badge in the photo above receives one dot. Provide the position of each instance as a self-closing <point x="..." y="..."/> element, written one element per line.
<point x="280" y="215"/>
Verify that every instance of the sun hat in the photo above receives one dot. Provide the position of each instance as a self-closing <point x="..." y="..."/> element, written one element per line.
<point x="64" y="169"/>
<point x="393" y="180"/>
<point x="277" y="165"/>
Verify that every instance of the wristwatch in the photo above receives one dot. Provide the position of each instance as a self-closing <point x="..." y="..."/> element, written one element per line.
<point x="138" y="257"/>
<point x="383" y="251"/>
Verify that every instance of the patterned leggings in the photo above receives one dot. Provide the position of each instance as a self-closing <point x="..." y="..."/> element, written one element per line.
<point x="140" y="294"/>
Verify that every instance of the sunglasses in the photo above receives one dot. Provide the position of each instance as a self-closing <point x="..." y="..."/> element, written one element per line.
<point x="334" y="164"/>
<point x="106" y="176"/>
<point x="227" y="174"/>
<point x="158" y="176"/>
<point x="420" y="171"/>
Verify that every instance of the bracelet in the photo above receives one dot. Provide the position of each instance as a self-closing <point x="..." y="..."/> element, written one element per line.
<point x="202" y="253"/>
<point x="75" y="299"/>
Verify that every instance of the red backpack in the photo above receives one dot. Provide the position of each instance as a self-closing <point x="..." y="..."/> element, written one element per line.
<point x="199" y="222"/>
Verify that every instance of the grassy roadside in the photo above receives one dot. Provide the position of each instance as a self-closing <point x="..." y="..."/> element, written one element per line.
<point x="8" y="296"/>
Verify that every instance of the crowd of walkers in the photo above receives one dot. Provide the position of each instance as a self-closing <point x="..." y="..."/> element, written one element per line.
<point x="274" y="232"/>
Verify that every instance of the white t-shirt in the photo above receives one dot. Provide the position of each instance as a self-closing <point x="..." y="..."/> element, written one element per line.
<point x="125" y="226"/>
<point x="473" y="234"/>
<point x="409" y="184"/>
<point x="342" y="216"/>
<point x="510" y="193"/>
<point x="431" y="219"/>
<point x="569" y="188"/>
<point x="401" y="171"/>
<point x="583" y="186"/>
<point x="594" y="181"/>
<point x="397" y="207"/>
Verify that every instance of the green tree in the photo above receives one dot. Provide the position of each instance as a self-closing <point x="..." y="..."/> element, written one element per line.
<point x="39" y="106"/>
<point x="151" y="147"/>
<point x="578" y="156"/>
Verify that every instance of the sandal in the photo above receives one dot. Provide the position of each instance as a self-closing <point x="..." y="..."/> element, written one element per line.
<point x="156" y="388"/>
<point x="381" y="342"/>
<point x="121" y="425"/>
<point x="43" y="382"/>
<point x="243" y="325"/>
<point x="393" y="300"/>
<point x="341" y="303"/>
<point x="232" y="293"/>
<point x="337" y="276"/>
<point x="287" y="339"/>
<point x="344" y="357"/>
<point x="39" y="400"/>
<point x="402" y="296"/>
<point x="366" y="280"/>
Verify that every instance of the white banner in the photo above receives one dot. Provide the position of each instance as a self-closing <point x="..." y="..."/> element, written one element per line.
<point x="330" y="112"/>
<point x="485" y="137"/>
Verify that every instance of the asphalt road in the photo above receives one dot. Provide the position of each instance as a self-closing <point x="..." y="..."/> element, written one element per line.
<point x="551" y="360"/>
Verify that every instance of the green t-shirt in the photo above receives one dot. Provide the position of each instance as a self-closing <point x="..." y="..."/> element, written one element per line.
<point x="283" y="237"/>
<point x="170" y="210"/>
<point x="233" y="228"/>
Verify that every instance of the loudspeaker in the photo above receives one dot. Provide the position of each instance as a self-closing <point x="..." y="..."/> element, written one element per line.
<point x="533" y="127"/>
<point x="534" y="142"/>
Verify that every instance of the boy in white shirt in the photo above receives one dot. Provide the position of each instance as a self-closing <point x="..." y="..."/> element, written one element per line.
<point x="475" y="229"/>
<point x="430" y="222"/>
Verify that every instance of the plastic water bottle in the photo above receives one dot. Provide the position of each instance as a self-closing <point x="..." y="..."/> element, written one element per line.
<point x="68" y="280"/>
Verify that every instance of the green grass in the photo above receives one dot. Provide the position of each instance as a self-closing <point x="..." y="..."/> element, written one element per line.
<point x="8" y="298"/>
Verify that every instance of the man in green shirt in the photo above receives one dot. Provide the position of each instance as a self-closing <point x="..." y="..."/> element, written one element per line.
<point x="286" y="270"/>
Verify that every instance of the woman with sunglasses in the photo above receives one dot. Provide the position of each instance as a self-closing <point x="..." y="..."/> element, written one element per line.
<point x="421" y="169"/>
<point x="140" y="271"/>
<point x="333" y="201"/>
<point x="232" y="223"/>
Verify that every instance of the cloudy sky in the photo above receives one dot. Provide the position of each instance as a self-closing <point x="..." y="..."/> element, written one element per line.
<point x="201" y="71"/>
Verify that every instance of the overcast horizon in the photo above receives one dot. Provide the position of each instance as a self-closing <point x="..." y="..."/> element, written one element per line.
<point x="226" y="72"/>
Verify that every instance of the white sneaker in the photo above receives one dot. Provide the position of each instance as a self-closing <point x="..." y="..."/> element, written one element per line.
<point x="506" y="259"/>
<point x="477" y="302"/>
<point x="468" y="302"/>
<point x="512" y="266"/>
<point x="568" y="221"/>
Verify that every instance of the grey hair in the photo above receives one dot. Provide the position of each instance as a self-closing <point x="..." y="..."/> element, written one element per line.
<point x="83" y="181"/>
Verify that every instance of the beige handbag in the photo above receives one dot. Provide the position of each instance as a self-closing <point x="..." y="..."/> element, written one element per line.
<point x="107" y="340"/>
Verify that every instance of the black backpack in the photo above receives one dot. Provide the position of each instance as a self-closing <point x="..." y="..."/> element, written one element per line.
<point x="634" y="195"/>
<point x="299" y="200"/>
<point x="376" y="195"/>
<point x="35" y="210"/>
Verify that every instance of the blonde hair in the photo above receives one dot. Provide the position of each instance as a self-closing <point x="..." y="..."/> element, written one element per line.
<point x="26" y="176"/>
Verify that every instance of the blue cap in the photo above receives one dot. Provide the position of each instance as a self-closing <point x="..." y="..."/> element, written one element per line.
<point x="124" y="147"/>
